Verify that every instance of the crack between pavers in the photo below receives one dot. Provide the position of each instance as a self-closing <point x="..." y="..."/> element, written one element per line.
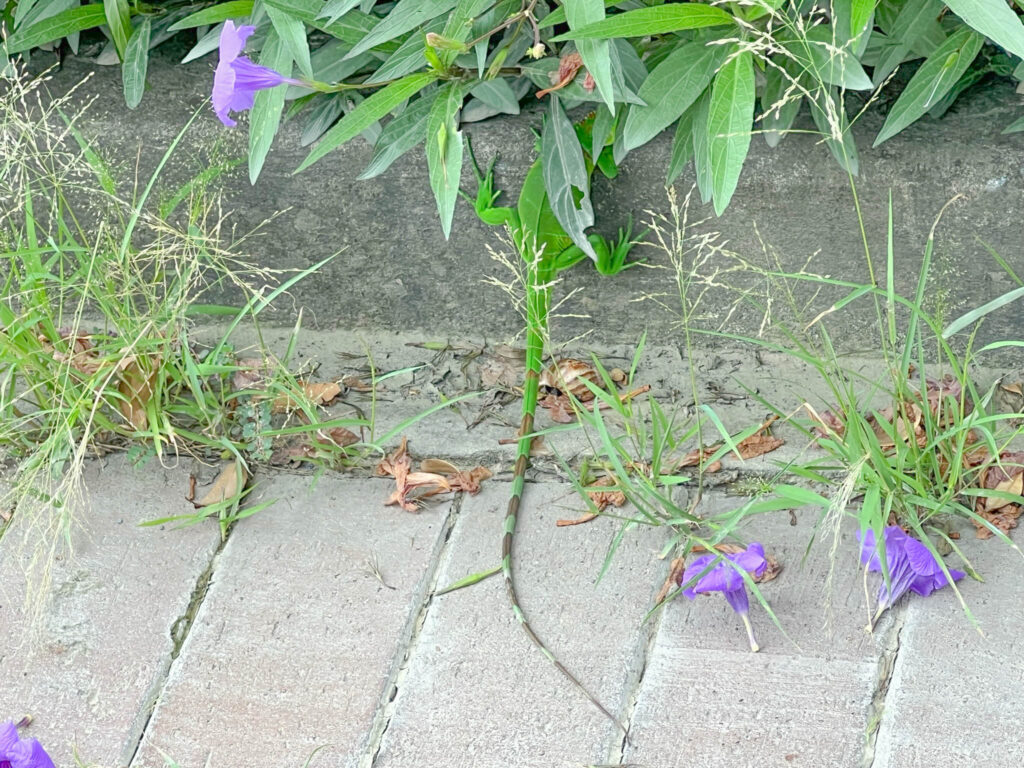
<point x="883" y="681"/>
<point x="641" y="659"/>
<point x="411" y="636"/>
<point x="179" y="633"/>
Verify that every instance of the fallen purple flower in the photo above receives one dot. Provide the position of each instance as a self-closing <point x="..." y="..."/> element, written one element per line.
<point x="237" y="78"/>
<point x="911" y="566"/>
<point x="21" y="753"/>
<point x="724" y="578"/>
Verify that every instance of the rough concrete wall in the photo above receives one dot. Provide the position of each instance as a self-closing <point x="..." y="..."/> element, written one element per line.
<point x="396" y="269"/>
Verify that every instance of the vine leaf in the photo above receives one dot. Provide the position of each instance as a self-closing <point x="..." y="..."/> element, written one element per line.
<point x="444" y="151"/>
<point x="566" y="177"/>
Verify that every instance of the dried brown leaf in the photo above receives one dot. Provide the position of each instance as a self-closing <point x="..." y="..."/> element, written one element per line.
<point x="568" y="66"/>
<point x="137" y="388"/>
<point x="559" y="408"/>
<point x="675" y="575"/>
<point x="603" y="499"/>
<point x="316" y="392"/>
<point x="229" y="483"/>
<point x="586" y="518"/>
<point x="469" y="480"/>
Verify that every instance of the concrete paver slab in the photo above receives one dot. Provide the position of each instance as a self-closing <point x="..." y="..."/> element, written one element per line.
<point x="476" y="691"/>
<point x="297" y="639"/>
<point x="705" y="700"/>
<point x="90" y="670"/>
<point x="955" y="697"/>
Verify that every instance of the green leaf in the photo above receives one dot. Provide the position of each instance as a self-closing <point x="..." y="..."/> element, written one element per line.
<point x="682" y="144"/>
<point x="830" y="64"/>
<point x="595" y="53"/>
<point x="730" y="118"/>
<point x="268" y="104"/>
<point x="459" y="25"/>
<point x="702" y="146"/>
<point x="444" y="152"/>
<point x="656" y="20"/>
<point x="497" y="94"/>
<point x="119" y="21"/>
<point x="410" y="54"/>
<point x="350" y="28"/>
<point x="566" y="177"/>
<point x="214" y="14"/>
<point x="405" y="16"/>
<point x="335" y="9"/>
<point x="325" y="109"/>
<point x="401" y="134"/>
<point x="844" y="150"/>
<point x="1015" y="127"/>
<point x="671" y="88"/>
<point x="860" y="14"/>
<point x="136" y="61"/>
<point x="293" y="34"/>
<point x="366" y="114"/>
<point x="557" y="16"/>
<point x="936" y="76"/>
<point x="914" y="21"/>
<point x="777" y="88"/>
<point x="994" y="19"/>
<point x="57" y="27"/>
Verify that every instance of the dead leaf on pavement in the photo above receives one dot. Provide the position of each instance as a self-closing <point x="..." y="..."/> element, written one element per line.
<point x="503" y="368"/>
<point x="1008" y="476"/>
<point x="675" y="575"/>
<point x="355" y="384"/>
<point x="761" y="442"/>
<point x="577" y="521"/>
<point x="229" y="483"/>
<point x="399" y="464"/>
<point x="697" y="455"/>
<point x="559" y="408"/>
<point x="137" y="388"/>
<point x="317" y="392"/>
<point x="604" y="499"/>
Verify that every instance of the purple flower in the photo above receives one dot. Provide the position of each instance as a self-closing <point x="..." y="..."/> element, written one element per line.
<point x="911" y="566"/>
<point x="724" y="578"/>
<point x="237" y="78"/>
<point x="21" y="753"/>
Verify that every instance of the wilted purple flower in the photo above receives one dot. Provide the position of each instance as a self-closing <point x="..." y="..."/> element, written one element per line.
<point x="237" y="78"/>
<point x="724" y="578"/>
<point x="911" y="566"/>
<point x="21" y="753"/>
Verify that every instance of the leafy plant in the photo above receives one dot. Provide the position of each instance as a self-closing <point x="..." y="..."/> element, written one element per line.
<point x="718" y="73"/>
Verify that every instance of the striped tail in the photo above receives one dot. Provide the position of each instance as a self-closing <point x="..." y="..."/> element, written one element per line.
<point x="530" y="387"/>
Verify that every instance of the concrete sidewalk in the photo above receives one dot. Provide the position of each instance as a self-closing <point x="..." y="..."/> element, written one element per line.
<point x="281" y="639"/>
<point x="315" y="624"/>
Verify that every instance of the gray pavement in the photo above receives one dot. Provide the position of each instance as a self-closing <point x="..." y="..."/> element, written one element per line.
<point x="284" y="640"/>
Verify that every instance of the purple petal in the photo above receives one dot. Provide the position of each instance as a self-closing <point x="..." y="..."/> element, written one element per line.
<point x="692" y="570"/>
<point x="752" y="560"/>
<point x="8" y="739"/>
<point x="21" y="753"/>
<point x="223" y="92"/>
<point x="232" y="40"/>
<point x="35" y="757"/>
<point x="901" y="578"/>
<point x="250" y="76"/>
<point x="722" y="578"/>
<point x="738" y="599"/>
